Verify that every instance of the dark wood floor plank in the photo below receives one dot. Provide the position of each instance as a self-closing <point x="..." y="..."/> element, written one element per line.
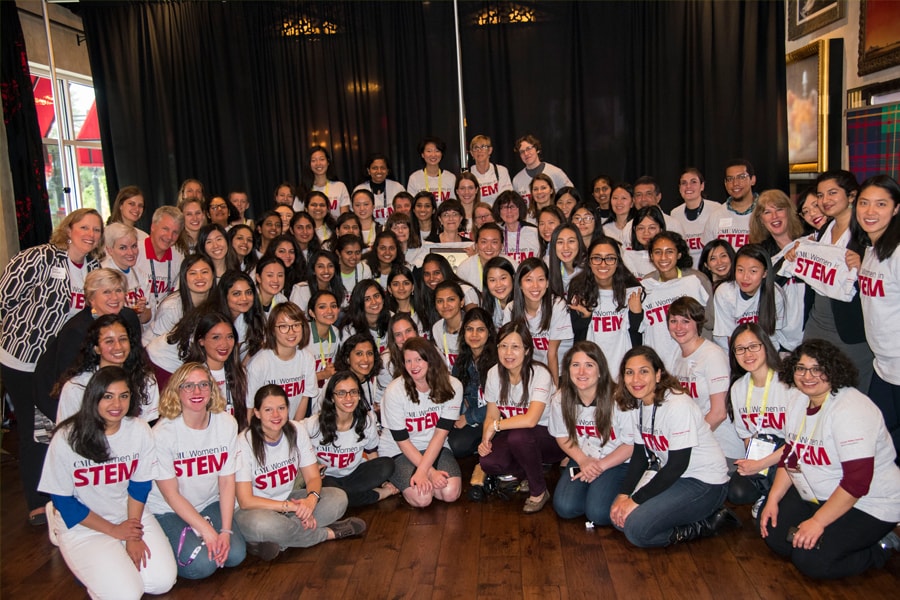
<point x="499" y="577"/>
<point x="457" y="566"/>
<point x="415" y="568"/>
<point x="542" y="560"/>
<point x="585" y="563"/>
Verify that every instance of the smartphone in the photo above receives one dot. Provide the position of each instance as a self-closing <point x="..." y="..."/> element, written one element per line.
<point x="793" y="531"/>
<point x="573" y="471"/>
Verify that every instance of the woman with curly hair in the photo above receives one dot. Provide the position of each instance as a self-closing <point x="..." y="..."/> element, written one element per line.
<point x="836" y="496"/>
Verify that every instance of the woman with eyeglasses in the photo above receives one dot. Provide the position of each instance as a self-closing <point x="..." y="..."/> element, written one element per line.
<point x="836" y="496"/>
<point x="283" y="362"/>
<point x="492" y="179"/>
<point x="520" y="238"/>
<point x="196" y="459"/>
<point x="344" y="435"/>
<point x="450" y="231"/>
<point x="586" y="224"/>
<point x="417" y="413"/>
<point x="98" y="473"/>
<point x="359" y="355"/>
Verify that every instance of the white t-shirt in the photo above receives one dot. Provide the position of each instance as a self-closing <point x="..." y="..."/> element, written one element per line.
<point x="72" y="395"/>
<point x="345" y="453"/>
<point x="609" y="329"/>
<point x="442" y="187"/>
<point x="560" y="329"/>
<point x="823" y="267"/>
<point x="323" y="350"/>
<point x="729" y="226"/>
<point x="337" y="195"/>
<point x="472" y="271"/>
<point x="520" y="244"/>
<point x="692" y="231"/>
<point x="296" y="376"/>
<point x="732" y="309"/>
<point x="615" y="233"/>
<point x="275" y="479"/>
<point x="196" y="457"/>
<point x="762" y="413"/>
<point x="383" y="202"/>
<point x="847" y="427"/>
<point x="638" y="262"/>
<point x="167" y="315"/>
<point x="879" y="287"/>
<point x="655" y="326"/>
<point x="679" y="425"/>
<point x="420" y="419"/>
<point x="522" y="181"/>
<point x="163" y="354"/>
<point x="447" y="343"/>
<point x="540" y="389"/>
<point x="135" y="289"/>
<point x="362" y="271"/>
<point x="492" y="183"/>
<point x="621" y="432"/>
<point x="102" y="487"/>
<point x="704" y="373"/>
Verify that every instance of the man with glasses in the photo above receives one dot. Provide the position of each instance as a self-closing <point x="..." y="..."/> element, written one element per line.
<point x="492" y="178"/>
<point x="733" y="222"/>
<point x="529" y="149"/>
<point x="647" y="193"/>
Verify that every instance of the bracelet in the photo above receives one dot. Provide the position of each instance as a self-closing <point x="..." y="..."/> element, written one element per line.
<point x="228" y="531"/>
<point x="496" y="425"/>
<point x="316" y="494"/>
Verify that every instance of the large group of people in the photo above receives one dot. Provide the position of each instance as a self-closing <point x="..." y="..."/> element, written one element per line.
<point x="220" y="386"/>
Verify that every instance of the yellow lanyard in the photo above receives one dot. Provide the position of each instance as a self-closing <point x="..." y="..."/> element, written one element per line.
<point x="765" y="398"/>
<point x="440" y="187"/>
<point x="321" y="348"/>
<point x="812" y="435"/>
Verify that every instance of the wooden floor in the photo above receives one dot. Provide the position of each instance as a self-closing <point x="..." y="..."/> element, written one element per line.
<point x="464" y="550"/>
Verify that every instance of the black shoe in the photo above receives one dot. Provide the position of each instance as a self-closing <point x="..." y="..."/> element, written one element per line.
<point x="264" y="550"/>
<point x="704" y="528"/>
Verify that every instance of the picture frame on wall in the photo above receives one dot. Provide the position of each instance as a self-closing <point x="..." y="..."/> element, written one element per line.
<point x="879" y="35"/>
<point x="806" y="16"/>
<point x="814" y="94"/>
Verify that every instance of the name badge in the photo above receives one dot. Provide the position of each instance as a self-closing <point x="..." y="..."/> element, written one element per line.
<point x="58" y="273"/>
<point x="725" y="223"/>
<point x="802" y="484"/>
<point x="759" y="449"/>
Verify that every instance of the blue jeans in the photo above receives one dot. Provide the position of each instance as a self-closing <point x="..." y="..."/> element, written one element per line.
<point x="688" y="500"/>
<point x="593" y="500"/>
<point x="202" y="567"/>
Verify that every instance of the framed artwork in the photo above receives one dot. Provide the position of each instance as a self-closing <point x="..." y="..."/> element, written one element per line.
<point x="455" y="253"/>
<point x="814" y="106"/>
<point x="805" y="16"/>
<point x="879" y="35"/>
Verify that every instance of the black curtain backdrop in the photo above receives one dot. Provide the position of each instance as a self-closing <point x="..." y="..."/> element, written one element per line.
<point x="23" y="134"/>
<point x="214" y="91"/>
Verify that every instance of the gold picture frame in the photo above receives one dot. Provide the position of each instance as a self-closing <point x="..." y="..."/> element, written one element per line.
<point x="813" y="109"/>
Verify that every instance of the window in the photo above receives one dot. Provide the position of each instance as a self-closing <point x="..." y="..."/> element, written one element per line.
<point x="78" y="165"/>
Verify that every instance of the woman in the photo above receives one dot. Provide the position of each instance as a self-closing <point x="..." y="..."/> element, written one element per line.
<point x="274" y="451"/>
<point x="320" y="275"/>
<point x="468" y="192"/>
<point x="214" y="343"/>
<point x="121" y="242"/>
<point x="593" y="432"/>
<point x="194" y="220"/>
<point x="303" y="229"/>
<point x="400" y="328"/>
<point x="417" y="413"/>
<point x="368" y="313"/>
<point x="695" y="211"/>
<point x="196" y="458"/>
<point x="622" y="205"/>
<point x="321" y="177"/>
<point x="677" y="479"/>
<point x="347" y="224"/>
<point x="425" y="220"/>
<point x="601" y="191"/>
<point x="195" y="280"/>
<point x="128" y="208"/>
<point x="477" y="354"/>
<point x="432" y="179"/>
<point x="352" y="270"/>
<point x="545" y="314"/>
<point x="809" y="210"/>
<point x="285" y="195"/>
<point x="542" y="194"/>
<point x="270" y="276"/>
<point x="212" y="243"/>
<point x="400" y="285"/>
<point x="703" y="371"/>
<point x="236" y="297"/>
<point x="499" y="275"/>
<point x="267" y="229"/>
<point x="549" y="218"/>
<point x="284" y="247"/>
<point x="317" y="207"/>
<point x="220" y="212"/>
<point x="109" y="342"/>
<point x="363" y="202"/>
<point x="757" y="403"/>
<point x="565" y="259"/>
<point x="324" y="339"/>
<point x="240" y="238"/>
<point x="717" y="262"/>
<point x="671" y="260"/>
<point x="383" y="189"/>
<point x="41" y="288"/>
<point x="611" y="296"/>
<point x="449" y="215"/>
<point x="646" y="224"/>
<point x="752" y="297"/>
<point x="586" y="224"/>
<point x="283" y="362"/>
<point x="410" y="245"/>
<point x="111" y="544"/>
<point x="837" y="489"/>
<point x="384" y="256"/>
<point x="515" y="437"/>
<point x="436" y="269"/>
<point x="481" y="214"/>
<point x="879" y="275"/>
<point x="567" y="200"/>
<point x="448" y="300"/>
<point x="359" y="355"/>
<point x="520" y="238"/>
<point x="344" y="436"/>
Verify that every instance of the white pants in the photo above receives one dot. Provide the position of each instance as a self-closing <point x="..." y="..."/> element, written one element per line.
<point x="101" y="563"/>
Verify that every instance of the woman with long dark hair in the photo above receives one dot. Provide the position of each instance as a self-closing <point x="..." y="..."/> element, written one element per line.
<point x="367" y="312"/>
<point x="321" y="274"/>
<point x="384" y="256"/>
<point x="195" y="280"/>
<point x="477" y="354"/>
<point x="212" y="242"/>
<point x="215" y="344"/>
<point x="359" y="355"/>
<point x="235" y="296"/>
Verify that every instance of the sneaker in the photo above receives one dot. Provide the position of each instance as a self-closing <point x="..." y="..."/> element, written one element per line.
<point x="757" y="506"/>
<point x="890" y="542"/>
<point x="351" y="527"/>
<point x="264" y="550"/>
<point x="533" y="506"/>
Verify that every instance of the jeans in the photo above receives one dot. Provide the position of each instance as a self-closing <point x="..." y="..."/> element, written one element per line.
<point x="849" y="546"/>
<point x="523" y="452"/>
<point x="886" y="397"/>
<point x="202" y="566"/>
<point x="361" y="483"/>
<point x="285" y="529"/>
<point x="688" y="500"/>
<point x="573" y="499"/>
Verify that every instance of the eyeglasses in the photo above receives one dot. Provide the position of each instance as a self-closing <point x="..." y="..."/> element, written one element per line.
<point x="754" y="347"/>
<point x="450" y="213"/>
<point x="604" y="260"/>
<point x="583" y="219"/>
<point x="509" y="207"/>
<point x="740" y="177"/>
<point x="218" y="207"/>
<point x="481" y="147"/>
<point x="816" y="371"/>
<point x="525" y="149"/>
<point x="190" y="386"/>
<point x="286" y="327"/>
<point x="483" y="218"/>
<point x="341" y="394"/>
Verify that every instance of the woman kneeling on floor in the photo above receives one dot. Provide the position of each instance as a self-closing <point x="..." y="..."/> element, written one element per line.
<point x="273" y="516"/>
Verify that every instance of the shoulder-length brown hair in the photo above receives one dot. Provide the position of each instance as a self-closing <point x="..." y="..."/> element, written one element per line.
<point x="603" y="394"/>
<point x="437" y="377"/>
<point x="666" y="383"/>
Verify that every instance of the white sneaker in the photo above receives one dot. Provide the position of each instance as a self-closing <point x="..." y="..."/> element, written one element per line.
<point x="757" y="506"/>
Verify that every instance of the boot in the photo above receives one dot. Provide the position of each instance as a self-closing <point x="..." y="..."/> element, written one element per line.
<point x="477" y="483"/>
<point x="707" y="527"/>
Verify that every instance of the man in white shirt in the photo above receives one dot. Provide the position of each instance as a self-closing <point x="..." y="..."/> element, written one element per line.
<point x="158" y="262"/>
<point x="646" y="193"/>
<point x="529" y="150"/>
<point x="733" y="223"/>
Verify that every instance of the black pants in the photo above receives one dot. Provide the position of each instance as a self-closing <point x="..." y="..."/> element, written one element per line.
<point x="361" y="483"/>
<point x="886" y="397"/>
<point x="21" y="388"/>
<point x="848" y="547"/>
<point x="464" y="440"/>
